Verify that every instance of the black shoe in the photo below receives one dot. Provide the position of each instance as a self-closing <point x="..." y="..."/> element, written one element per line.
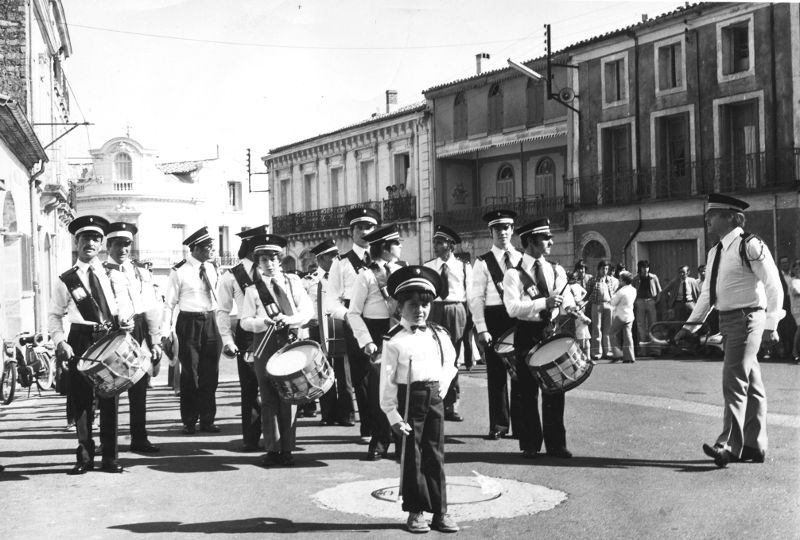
<point x="271" y="459"/>
<point x="374" y="455"/>
<point x="81" y="468"/>
<point x="250" y="448"/>
<point x="111" y="467"/>
<point x="453" y="417"/>
<point x="753" y="454"/>
<point x="348" y="423"/>
<point x="721" y="457"/>
<point x="146" y="448"/>
<point x="210" y="428"/>
<point x="495" y="435"/>
<point x="529" y="454"/>
<point x="327" y="422"/>
<point x="560" y="453"/>
<point x="189" y="430"/>
<point x="286" y="459"/>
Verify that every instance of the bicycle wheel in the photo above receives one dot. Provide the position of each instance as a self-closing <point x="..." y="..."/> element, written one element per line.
<point x="9" y="383"/>
<point x="46" y="377"/>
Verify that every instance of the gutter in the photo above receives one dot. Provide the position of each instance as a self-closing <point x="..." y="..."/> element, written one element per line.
<point x="38" y="311"/>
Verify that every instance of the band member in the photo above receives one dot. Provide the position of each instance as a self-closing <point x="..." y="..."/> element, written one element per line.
<point x="450" y="310"/>
<point x="337" y="404"/>
<point x="418" y="362"/>
<point x="191" y="288"/>
<point x="601" y="289"/>
<point x="138" y="282"/>
<point x="535" y="293"/>
<point x="85" y="296"/>
<point x="343" y="272"/>
<point x="369" y="315"/>
<point x="276" y="306"/>
<point x="744" y="287"/>
<point x="489" y="314"/>
<point x="236" y="340"/>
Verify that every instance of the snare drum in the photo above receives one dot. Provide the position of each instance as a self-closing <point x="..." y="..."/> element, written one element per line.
<point x="114" y="364"/>
<point x="332" y="337"/>
<point x="559" y="364"/>
<point x="504" y="347"/>
<point x="300" y="373"/>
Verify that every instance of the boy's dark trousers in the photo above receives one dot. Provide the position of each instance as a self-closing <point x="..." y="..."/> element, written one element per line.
<point x="424" y="484"/>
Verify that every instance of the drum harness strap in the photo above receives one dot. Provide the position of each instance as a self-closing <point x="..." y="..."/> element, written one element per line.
<point x="529" y="285"/>
<point x="494" y="271"/>
<point x="357" y="263"/>
<point x="241" y="276"/>
<point x="87" y="305"/>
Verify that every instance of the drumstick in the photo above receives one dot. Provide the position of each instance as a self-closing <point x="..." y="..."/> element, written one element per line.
<point x="405" y="419"/>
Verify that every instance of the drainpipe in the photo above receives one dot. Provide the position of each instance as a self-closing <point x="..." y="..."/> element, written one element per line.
<point x="636" y="120"/>
<point x="633" y="235"/>
<point x="35" y="258"/>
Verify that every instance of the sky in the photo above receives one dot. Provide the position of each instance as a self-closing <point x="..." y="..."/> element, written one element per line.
<point x="184" y="77"/>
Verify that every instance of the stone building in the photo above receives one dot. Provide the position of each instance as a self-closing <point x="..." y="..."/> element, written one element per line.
<point x="381" y="162"/>
<point x="124" y="181"/>
<point x="34" y="206"/>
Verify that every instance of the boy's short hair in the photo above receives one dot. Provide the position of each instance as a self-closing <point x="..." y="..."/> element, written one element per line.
<point x="424" y="297"/>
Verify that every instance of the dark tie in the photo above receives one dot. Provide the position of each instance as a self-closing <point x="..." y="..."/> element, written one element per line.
<point x="541" y="282"/>
<point x="207" y="282"/>
<point x="100" y="298"/>
<point x="325" y="276"/>
<point x="256" y="274"/>
<point x="367" y="259"/>
<point x="415" y="327"/>
<point x="682" y="291"/>
<point x="445" y="283"/>
<point x="283" y="300"/>
<point x="386" y="267"/>
<point x="507" y="260"/>
<point x="714" y="271"/>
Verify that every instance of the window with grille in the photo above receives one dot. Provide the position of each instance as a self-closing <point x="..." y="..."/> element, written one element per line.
<point x="670" y="66"/>
<point x="123" y="167"/>
<point x="234" y="195"/>
<point x="545" y="178"/>
<point x="505" y="184"/>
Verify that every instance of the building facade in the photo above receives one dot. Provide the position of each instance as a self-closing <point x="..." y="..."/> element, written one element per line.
<point x="35" y="206"/>
<point x="381" y="162"/>
<point x="168" y="201"/>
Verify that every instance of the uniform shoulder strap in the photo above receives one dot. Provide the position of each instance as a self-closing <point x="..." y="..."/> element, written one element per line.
<point x="393" y="331"/>
<point x="743" y="255"/>
<point x="494" y="271"/>
<point x="241" y="276"/>
<point x="84" y="301"/>
<point x="438" y="328"/>
<point x="178" y="265"/>
<point x="357" y="263"/>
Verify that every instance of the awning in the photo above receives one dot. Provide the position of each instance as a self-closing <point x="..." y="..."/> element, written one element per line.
<point x="542" y="133"/>
<point x="17" y="132"/>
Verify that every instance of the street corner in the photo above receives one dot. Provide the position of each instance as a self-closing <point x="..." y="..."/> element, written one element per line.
<point x="469" y="498"/>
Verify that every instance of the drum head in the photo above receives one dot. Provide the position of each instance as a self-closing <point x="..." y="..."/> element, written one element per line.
<point x="550" y="350"/>
<point x="292" y="358"/>
<point x="105" y="347"/>
<point x="506" y="342"/>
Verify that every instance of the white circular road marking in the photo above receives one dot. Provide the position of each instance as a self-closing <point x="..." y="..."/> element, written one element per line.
<point x="470" y="498"/>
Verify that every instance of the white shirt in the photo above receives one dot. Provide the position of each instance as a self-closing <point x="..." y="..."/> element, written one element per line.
<point x="230" y="298"/>
<point x="368" y="302"/>
<point x="253" y="312"/>
<point x="737" y="286"/>
<point x="139" y="284"/>
<point x="419" y="351"/>
<point x="341" y="278"/>
<point x="188" y="291"/>
<point x="622" y="303"/>
<point x="315" y="284"/>
<point x="456" y="282"/>
<point x="482" y="291"/>
<point x="62" y="305"/>
<point x="519" y="303"/>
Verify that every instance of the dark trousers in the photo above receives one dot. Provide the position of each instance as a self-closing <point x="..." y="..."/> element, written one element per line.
<point x="336" y="405"/>
<point x="497" y="322"/>
<point x="424" y="484"/>
<point x="81" y="393"/>
<point x="359" y="371"/>
<point x="198" y="351"/>
<point x="525" y="398"/>
<point x="137" y="394"/>
<point x="381" y="430"/>
<point x="248" y="387"/>
<point x="452" y="316"/>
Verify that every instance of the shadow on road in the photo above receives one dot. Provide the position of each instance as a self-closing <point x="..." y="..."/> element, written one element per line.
<point x="263" y="525"/>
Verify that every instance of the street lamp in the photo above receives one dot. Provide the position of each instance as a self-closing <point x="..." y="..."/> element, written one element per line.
<point x="528" y="72"/>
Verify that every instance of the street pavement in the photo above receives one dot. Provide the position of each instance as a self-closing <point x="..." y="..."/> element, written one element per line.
<point x="636" y="431"/>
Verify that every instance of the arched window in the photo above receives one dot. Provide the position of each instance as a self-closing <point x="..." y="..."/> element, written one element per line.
<point x="123" y="167"/>
<point x="544" y="181"/>
<point x="535" y="97"/>
<point x="505" y="184"/>
<point x="460" y="117"/>
<point x="593" y="252"/>
<point x="495" y="109"/>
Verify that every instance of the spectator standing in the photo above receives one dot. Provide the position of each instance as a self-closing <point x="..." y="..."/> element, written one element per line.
<point x="647" y="287"/>
<point x="622" y="319"/>
<point x="600" y="290"/>
<point x="795" y="301"/>
<point x="682" y="294"/>
<point x="787" y="326"/>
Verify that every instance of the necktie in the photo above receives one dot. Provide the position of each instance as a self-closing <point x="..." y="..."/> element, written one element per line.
<point x="445" y="283"/>
<point x="714" y="272"/>
<point x="282" y="298"/>
<point x="325" y="276"/>
<point x="415" y="327"/>
<point x="507" y="260"/>
<point x="682" y="292"/>
<point x="100" y="298"/>
<point x="367" y="259"/>
<point x="205" y="280"/>
<point x="541" y="282"/>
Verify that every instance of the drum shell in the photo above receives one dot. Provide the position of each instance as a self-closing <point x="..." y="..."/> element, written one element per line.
<point x="336" y="344"/>
<point x="563" y="373"/>
<point x="306" y="384"/>
<point x="113" y="364"/>
<point x="504" y="347"/>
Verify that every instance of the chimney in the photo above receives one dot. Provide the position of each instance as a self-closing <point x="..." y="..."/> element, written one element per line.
<point x="644" y="17"/>
<point x="391" y="101"/>
<point x="480" y="57"/>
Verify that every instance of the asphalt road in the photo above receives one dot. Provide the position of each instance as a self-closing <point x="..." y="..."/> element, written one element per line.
<point x="638" y="472"/>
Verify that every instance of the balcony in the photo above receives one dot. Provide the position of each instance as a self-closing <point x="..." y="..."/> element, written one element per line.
<point x="734" y="174"/>
<point x="391" y="210"/>
<point x="527" y="209"/>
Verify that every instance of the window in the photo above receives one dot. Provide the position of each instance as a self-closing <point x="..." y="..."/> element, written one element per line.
<point x="673" y="155"/>
<point x="616" y="149"/>
<point x="460" y="117"/>
<point x="123" y="167"/>
<point x="505" y="184"/>
<point x="309" y="180"/>
<point x="336" y="175"/>
<point x="285" y="197"/>
<point x="223" y="246"/>
<point x="735" y="54"/>
<point x="177" y="234"/>
<point x="670" y="66"/>
<point x="742" y="163"/>
<point x="614" y="75"/>
<point x="544" y="181"/>
<point x="401" y="166"/>
<point x="535" y="98"/>
<point x="495" y="109"/>
<point x="367" y="173"/>
<point x="234" y="195"/>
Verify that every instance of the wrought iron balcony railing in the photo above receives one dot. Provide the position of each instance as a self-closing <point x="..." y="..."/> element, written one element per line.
<point x="391" y="210"/>
<point x="527" y="209"/>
